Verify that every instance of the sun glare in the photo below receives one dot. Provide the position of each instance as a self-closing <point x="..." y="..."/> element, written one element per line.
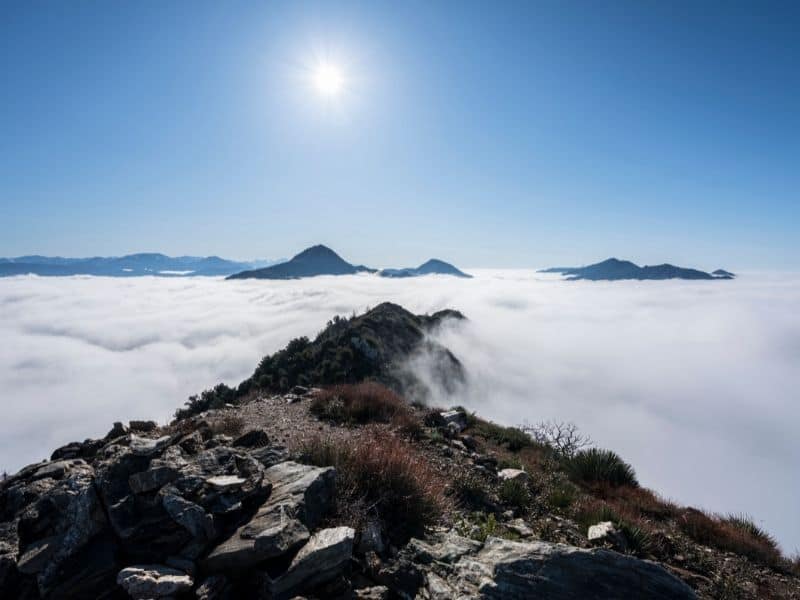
<point x="328" y="79"/>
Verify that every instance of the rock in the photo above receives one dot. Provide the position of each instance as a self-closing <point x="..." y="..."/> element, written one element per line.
<point x="324" y="557"/>
<point x="54" y="470"/>
<point x="118" y="430"/>
<point x="216" y="587"/>
<point x="376" y="592"/>
<point x="153" y="581"/>
<point x="142" y="426"/>
<point x="255" y="438"/>
<point x="148" y="447"/>
<point x="504" y="569"/>
<point x="520" y="527"/>
<point x="514" y="475"/>
<point x="371" y="538"/>
<point x="301" y="496"/>
<point x="308" y="490"/>
<point x="470" y="442"/>
<point x="606" y="533"/>
<point x="456" y="418"/>
<point x="225" y="482"/>
<point x="189" y="515"/>
<point x="152" y="479"/>
<point x="299" y="390"/>
<point x="271" y="455"/>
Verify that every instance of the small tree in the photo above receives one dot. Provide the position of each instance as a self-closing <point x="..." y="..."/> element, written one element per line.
<point x="563" y="437"/>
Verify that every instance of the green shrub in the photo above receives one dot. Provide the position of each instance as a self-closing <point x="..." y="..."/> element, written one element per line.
<point x="215" y="398"/>
<point x="640" y="542"/>
<point x="746" y="524"/>
<point x="469" y="490"/>
<point x="596" y="466"/>
<point x="512" y="438"/>
<point x="513" y="492"/>
<point x="561" y="495"/>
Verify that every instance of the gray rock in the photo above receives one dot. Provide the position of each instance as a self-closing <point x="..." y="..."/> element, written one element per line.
<point x="141" y="446"/>
<point x="376" y="592"/>
<point x="309" y="490"/>
<point x="520" y="527"/>
<point x="457" y="418"/>
<point x="225" y="482"/>
<point x="504" y="569"/>
<point x="216" y="587"/>
<point x="153" y="581"/>
<point x="189" y="515"/>
<point x="514" y="475"/>
<point x="371" y="538"/>
<point x="301" y="496"/>
<point x="152" y="479"/>
<point x="325" y="556"/>
<point x="118" y="430"/>
<point x="606" y="533"/>
<point x="255" y="438"/>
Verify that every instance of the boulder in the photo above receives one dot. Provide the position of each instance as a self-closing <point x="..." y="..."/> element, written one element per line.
<point x="118" y="430"/>
<point x="514" y="475"/>
<point x="152" y="479"/>
<point x="455" y="419"/>
<point x="301" y="496"/>
<point x="153" y="581"/>
<point x="141" y="446"/>
<point x="504" y="569"/>
<point x="189" y="515"/>
<point x="607" y="533"/>
<point x="142" y="426"/>
<point x="255" y="438"/>
<point x="325" y="556"/>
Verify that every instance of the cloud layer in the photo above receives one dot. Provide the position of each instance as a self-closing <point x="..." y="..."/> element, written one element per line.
<point x="695" y="383"/>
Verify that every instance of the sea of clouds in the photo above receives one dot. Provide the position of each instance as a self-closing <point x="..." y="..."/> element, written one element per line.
<point x="695" y="383"/>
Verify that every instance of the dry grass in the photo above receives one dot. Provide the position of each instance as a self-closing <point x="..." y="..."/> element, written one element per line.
<point x="730" y="536"/>
<point x="382" y="474"/>
<point x="637" y="501"/>
<point x="361" y="403"/>
<point x="228" y="424"/>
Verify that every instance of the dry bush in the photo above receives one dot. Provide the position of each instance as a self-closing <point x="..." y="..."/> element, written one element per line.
<point x="563" y="438"/>
<point x="729" y="536"/>
<point x="368" y="402"/>
<point x="638" y="501"/>
<point x="382" y="473"/>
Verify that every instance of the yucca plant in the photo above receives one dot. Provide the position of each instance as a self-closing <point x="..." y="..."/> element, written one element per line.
<point x="746" y="524"/>
<point x="600" y="466"/>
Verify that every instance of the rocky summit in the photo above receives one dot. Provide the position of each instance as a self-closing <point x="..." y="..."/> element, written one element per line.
<point x="349" y="491"/>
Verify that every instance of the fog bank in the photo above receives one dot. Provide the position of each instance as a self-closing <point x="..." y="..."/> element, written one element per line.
<point x="694" y="383"/>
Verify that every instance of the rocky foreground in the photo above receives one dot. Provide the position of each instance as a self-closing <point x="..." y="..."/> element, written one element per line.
<point x="349" y="491"/>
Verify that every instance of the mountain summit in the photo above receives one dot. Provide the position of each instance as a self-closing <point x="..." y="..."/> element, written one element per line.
<point x="316" y="260"/>
<point x="433" y="266"/>
<point x="614" y="269"/>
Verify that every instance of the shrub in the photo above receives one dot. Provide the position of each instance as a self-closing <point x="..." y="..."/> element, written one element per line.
<point x="563" y="438"/>
<point x="478" y="526"/>
<point x="591" y="512"/>
<point x="512" y="438"/>
<point x="228" y="424"/>
<point x="746" y="524"/>
<point x="639" y="540"/>
<point x="560" y="495"/>
<point x="368" y="402"/>
<point x="637" y="501"/>
<point x="215" y="398"/>
<point x="596" y="466"/>
<point x="515" y="493"/>
<point x="737" y="536"/>
<point x="386" y="474"/>
<point x="469" y="490"/>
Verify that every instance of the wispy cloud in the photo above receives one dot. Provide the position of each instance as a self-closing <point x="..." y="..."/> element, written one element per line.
<point x="695" y="383"/>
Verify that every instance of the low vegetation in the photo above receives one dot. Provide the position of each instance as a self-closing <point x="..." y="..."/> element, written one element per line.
<point x="596" y="466"/>
<point x="385" y="475"/>
<point x="368" y="402"/>
<point x="512" y="438"/>
<point x="732" y="534"/>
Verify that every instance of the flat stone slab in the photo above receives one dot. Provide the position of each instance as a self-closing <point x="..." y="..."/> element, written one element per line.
<point x="225" y="482"/>
<point x="153" y="581"/>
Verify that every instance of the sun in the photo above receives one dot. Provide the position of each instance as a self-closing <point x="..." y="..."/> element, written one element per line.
<point x="328" y="79"/>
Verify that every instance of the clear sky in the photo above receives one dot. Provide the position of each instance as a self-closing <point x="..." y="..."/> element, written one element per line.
<point x="485" y="133"/>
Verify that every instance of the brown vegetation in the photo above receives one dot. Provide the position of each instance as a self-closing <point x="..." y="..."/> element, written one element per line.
<point x="383" y="474"/>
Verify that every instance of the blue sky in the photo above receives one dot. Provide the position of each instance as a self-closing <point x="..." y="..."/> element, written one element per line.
<point x="489" y="134"/>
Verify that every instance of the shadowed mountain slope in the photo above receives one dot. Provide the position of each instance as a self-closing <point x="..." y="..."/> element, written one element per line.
<point x="432" y="267"/>
<point x="614" y="269"/>
<point x="316" y="260"/>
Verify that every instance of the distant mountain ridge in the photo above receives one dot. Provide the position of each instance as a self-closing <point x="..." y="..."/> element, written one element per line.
<point x="131" y="265"/>
<point x="434" y="266"/>
<point x="614" y="269"/>
<point x="313" y="261"/>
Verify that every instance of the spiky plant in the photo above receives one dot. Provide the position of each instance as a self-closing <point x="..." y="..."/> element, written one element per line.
<point x="595" y="466"/>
